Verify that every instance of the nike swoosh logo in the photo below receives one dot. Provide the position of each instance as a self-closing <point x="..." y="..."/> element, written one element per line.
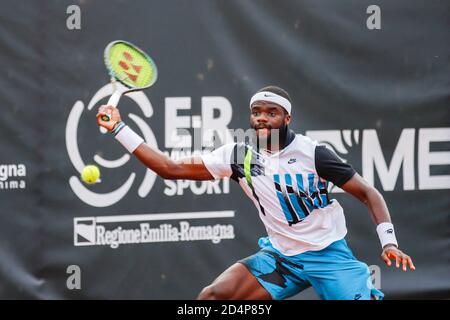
<point x="292" y="161"/>
<point x="268" y="95"/>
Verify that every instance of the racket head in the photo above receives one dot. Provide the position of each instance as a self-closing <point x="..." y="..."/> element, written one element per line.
<point x="129" y="65"/>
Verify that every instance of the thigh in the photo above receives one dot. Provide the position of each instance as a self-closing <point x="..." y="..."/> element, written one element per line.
<point x="341" y="283"/>
<point x="336" y="274"/>
<point x="278" y="274"/>
<point x="238" y="283"/>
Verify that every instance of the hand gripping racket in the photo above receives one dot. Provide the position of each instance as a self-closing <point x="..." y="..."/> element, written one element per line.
<point x="129" y="65"/>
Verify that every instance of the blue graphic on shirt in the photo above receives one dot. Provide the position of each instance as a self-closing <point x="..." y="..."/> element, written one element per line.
<point x="296" y="201"/>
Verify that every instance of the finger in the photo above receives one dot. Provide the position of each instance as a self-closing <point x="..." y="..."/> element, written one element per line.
<point x="393" y="255"/>
<point x="397" y="262"/>
<point x="386" y="259"/>
<point x="102" y="108"/>
<point x="101" y="114"/>
<point x="109" y="109"/>
<point x="411" y="264"/>
<point x="404" y="263"/>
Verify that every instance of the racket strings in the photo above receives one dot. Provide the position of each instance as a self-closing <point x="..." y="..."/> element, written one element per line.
<point x="131" y="66"/>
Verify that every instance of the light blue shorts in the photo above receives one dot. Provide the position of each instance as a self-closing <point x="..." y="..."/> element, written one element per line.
<point x="333" y="272"/>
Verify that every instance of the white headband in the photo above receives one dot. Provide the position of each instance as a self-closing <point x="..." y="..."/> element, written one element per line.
<point x="271" y="97"/>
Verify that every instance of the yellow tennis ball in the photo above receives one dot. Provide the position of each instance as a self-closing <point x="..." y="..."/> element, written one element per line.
<point x="90" y="174"/>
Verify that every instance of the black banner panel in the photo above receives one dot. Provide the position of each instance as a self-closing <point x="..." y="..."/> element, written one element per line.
<point x="369" y="79"/>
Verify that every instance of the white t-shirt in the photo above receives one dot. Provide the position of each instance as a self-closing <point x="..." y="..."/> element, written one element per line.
<point x="289" y="189"/>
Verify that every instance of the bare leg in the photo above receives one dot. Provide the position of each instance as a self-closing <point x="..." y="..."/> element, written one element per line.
<point x="235" y="283"/>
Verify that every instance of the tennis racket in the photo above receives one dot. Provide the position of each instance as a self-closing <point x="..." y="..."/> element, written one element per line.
<point x="129" y="65"/>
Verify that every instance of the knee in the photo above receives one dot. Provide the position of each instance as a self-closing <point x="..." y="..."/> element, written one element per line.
<point x="214" y="292"/>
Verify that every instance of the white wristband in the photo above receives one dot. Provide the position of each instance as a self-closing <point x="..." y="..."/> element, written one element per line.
<point x="386" y="234"/>
<point x="129" y="139"/>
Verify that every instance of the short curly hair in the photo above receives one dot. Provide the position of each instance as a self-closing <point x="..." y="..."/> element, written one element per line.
<point x="277" y="90"/>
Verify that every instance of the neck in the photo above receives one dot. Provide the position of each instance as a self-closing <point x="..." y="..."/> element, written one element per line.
<point x="276" y="142"/>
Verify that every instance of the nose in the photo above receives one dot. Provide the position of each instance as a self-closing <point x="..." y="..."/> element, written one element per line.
<point x="261" y="118"/>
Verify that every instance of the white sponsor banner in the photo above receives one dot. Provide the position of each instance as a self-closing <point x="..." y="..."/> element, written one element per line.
<point x="91" y="231"/>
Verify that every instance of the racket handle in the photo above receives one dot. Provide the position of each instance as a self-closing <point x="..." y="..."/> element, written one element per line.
<point x="113" y="101"/>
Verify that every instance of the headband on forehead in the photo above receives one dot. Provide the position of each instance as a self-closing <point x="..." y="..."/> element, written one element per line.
<point x="271" y="97"/>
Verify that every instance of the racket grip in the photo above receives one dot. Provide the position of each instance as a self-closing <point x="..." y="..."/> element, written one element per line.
<point x="113" y="101"/>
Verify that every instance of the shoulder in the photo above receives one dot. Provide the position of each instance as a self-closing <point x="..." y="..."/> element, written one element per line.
<point x="220" y="154"/>
<point x="305" y="140"/>
<point x="228" y="147"/>
<point x="305" y="145"/>
<point x="330" y="167"/>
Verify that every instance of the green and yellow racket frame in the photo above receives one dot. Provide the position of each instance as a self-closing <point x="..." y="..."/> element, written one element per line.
<point x="129" y="65"/>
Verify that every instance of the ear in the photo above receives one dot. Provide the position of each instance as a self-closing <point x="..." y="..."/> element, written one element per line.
<point x="287" y="119"/>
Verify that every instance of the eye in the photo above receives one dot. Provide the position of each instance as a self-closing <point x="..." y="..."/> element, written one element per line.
<point x="255" y="113"/>
<point x="272" y="114"/>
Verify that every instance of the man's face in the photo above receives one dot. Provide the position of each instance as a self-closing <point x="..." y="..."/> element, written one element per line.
<point x="266" y="116"/>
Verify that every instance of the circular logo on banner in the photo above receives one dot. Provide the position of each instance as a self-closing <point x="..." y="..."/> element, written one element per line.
<point x="114" y="196"/>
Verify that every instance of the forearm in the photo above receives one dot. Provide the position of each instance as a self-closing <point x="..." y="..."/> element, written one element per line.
<point x="377" y="206"/>
<point x="189" y="168"/>
<point x="155" y="160"/>
<point x="380" y="215"/>
<point x="370" y="196"/>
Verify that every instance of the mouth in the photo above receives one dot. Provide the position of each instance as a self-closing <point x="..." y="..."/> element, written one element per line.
<point x="263" y="130"/>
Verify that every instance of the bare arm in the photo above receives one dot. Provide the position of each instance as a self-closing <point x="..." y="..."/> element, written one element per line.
<point x="370" y="196"/>
<point x="189" y="168"/>
<point x="373" y="199"/>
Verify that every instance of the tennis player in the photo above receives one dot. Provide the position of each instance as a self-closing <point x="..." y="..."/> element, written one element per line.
<point x="287" y="180"/>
